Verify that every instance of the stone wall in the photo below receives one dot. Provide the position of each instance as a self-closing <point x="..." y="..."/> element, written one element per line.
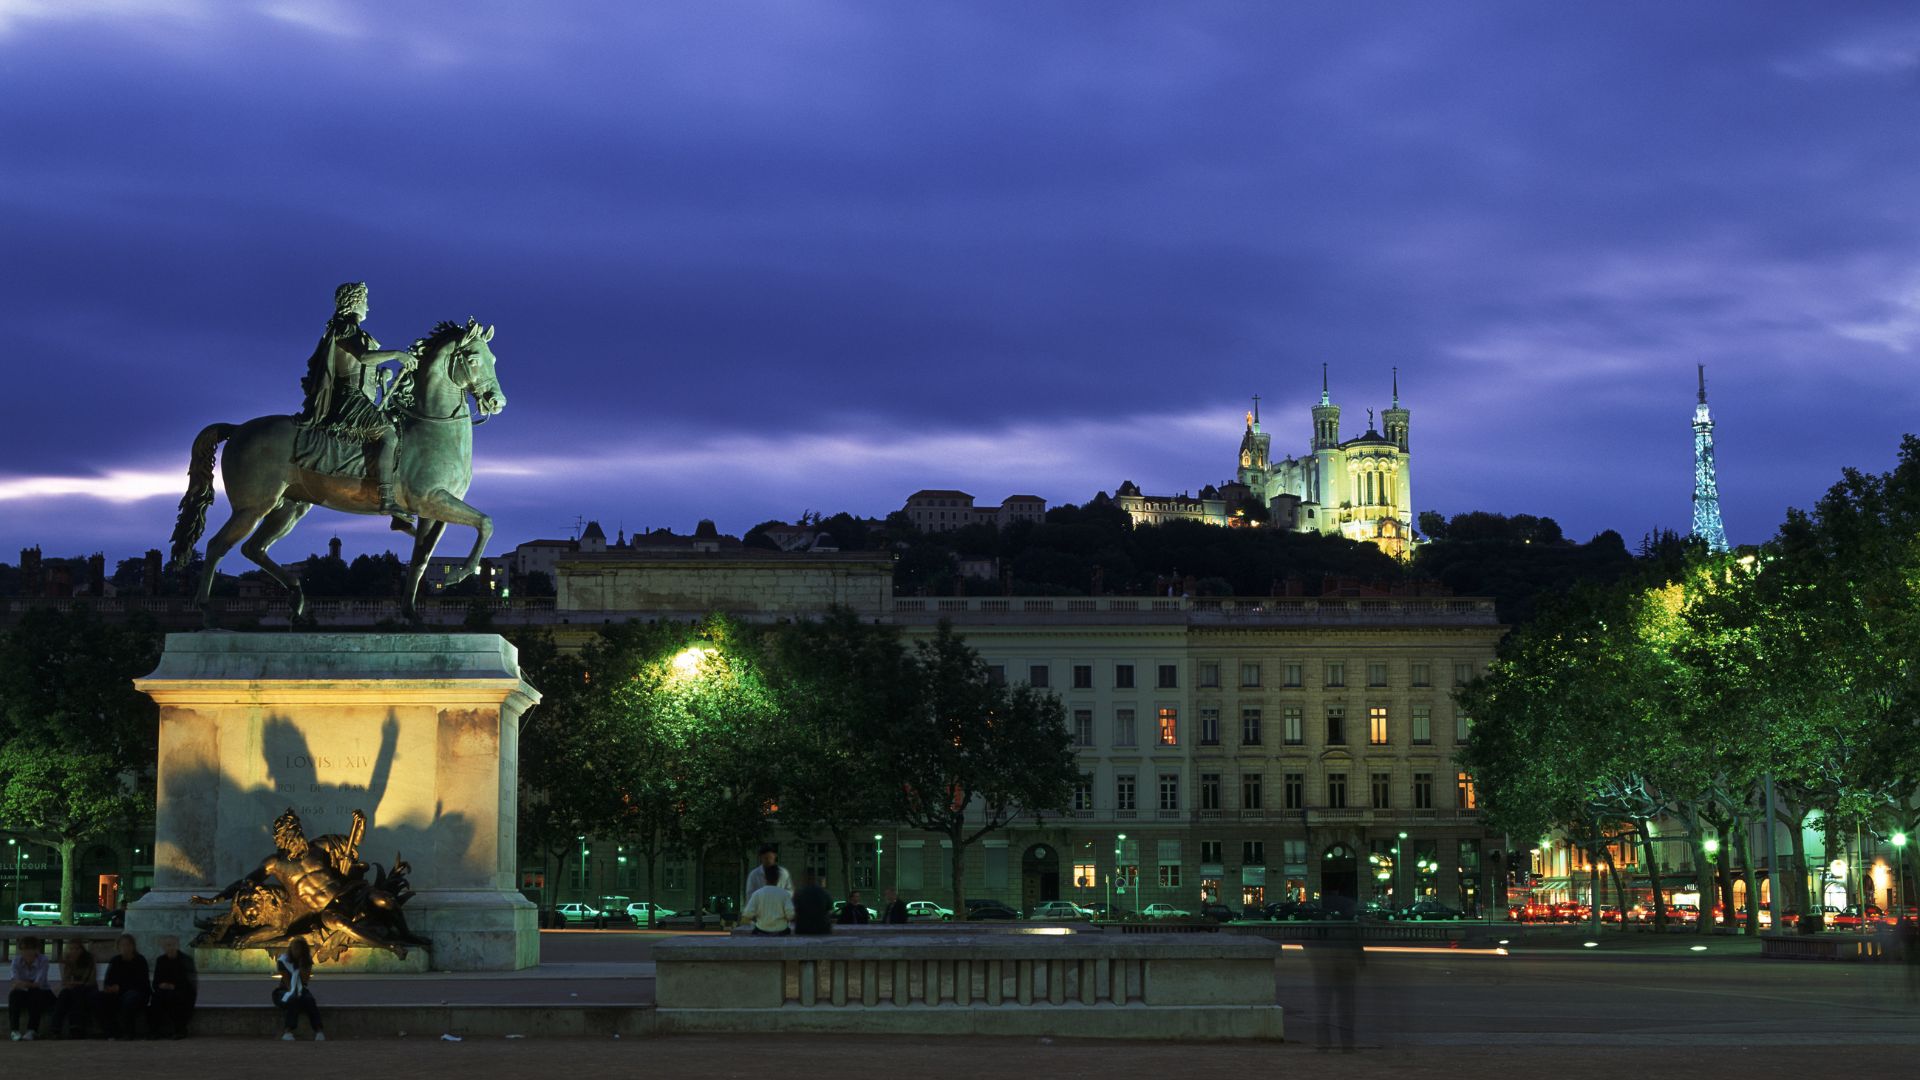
<point x="757" y="583"/>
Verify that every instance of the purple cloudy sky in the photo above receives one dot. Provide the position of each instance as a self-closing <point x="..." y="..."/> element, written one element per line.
<point x="752" y="259"/>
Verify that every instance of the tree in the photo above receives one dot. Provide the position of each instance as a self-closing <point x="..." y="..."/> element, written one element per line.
<point x="80" y="743"/>
<point x="841" y="682"/>
<point x="972" y="756"/>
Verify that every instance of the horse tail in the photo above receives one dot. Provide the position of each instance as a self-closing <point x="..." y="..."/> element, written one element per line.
<point x="199" y="496"/>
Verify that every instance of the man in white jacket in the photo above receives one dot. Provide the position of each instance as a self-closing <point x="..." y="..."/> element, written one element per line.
<point x="769" y="909"/>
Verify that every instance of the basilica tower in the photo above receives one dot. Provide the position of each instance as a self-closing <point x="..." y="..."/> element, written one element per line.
<point x="1395" y="420"/>
<point x="1329" y="473"/>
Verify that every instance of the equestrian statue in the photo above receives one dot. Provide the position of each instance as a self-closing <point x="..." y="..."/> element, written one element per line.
<point x="363" y="443"/>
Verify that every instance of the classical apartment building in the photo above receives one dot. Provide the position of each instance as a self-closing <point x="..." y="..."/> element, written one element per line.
<point x="1249" y="750"/>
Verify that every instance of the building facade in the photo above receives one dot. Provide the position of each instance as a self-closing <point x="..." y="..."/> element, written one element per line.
<point x="944" y="510"/>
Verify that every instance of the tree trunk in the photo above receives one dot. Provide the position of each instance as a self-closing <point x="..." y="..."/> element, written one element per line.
<point x="700" y="888"/>
<point x="66" y="846"/>
<point x="1799" y="867"/>
<point x="1653" y="875"/>
<point x="653" y="886"/>
<point x="846" y="865"/>
<point x="1619" y="890"/>
<point x="959" y="878"/>
<point x="1749" y="874"/>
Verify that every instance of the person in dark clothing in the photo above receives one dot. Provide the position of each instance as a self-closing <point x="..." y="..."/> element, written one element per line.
<point x="812" y="906"/>
<point x="125" y="990"/>
<point x="28" y="993"/>
<point x="1337" y="954"/>
<point x="175" y="986"/>
<point x="855" y="911"/>
<point x="896" y="909"/>
<point x="79" y="985"/>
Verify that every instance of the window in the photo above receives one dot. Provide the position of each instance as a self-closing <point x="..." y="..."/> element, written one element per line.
<point x="1210" y="852"/>
<point x="1085" y="875"/>
<point x="1294" y="853"/>
<point x="1293" y="789"/>
<point x="1249" y="727"/>
<point x="1210" y="675"/>
<point x="1209" y="726"/>
<point x="675" y="876"/>
<point x="1083" y="676"/>
<point x="996" y="674"/>
<point x="1083" y="793"/>
<point x="1296" y="733"/>
<point x="1251" y="793"/>
<point x="1336" y="674"/>
<point x="1382" y="791"/>
<point x="1169" y="791"/>
<point x="1123" y="792"/>
<point x="1376" y="674"/>
<point x="1169" y="727"/>
<point x="1376" y="725"/>
<point x="1462" y="726"/>
<point x="1083" y="727"/>
<point x="1336" y="791"/>
<point x="1336" y="725"/>
<point x="1253" y="852"/>
<point x="1422" y="724"/>
<point x="1423" y="674"/>
<point x="1249" y="674"/>
<point x="1463" y="787"/>
<point x="1209" y="791"/>
<point x="1123" y="727"/>
<point x="1169" y="875"/>
<point x="1169" y="677"/>
<point x="817" y="859"/>
<point x="1038" y="676"/>
<point x="1295" y="675"/>
<point x="1123" y="676"/>
<point x="1462" y="674"/>
<point x="1423" y="791"/>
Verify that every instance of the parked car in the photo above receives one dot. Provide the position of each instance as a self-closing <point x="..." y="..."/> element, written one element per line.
<point x="696" y="919"/>
<point x="576" y="914"/>
<point x="927" y="911"/>
<point x="1218" y="912"/>
<point x="37" y="914"/>
<point x="1427" y="909"/>
<point x="1106" y="912"/>
<point x="640" y="911"/>
<point x="1165" y="911"/>
<point x="979" y="910"/>
<point x="1278" y="911"/>
<point x="1059" y="910"/>
<point x="872" y="915"/>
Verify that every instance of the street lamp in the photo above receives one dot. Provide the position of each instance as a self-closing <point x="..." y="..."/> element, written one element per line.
<point x="1399" y="865"/>
<point x="876" y="860"/>
<point x="583" y="866"/>
<point x="1119" y="852"/>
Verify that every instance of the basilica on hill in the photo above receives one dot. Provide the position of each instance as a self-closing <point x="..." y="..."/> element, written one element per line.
<point x="1359" y="488"/>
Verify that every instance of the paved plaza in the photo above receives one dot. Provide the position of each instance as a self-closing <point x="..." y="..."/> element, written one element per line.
<point x="1627" y="1007"/>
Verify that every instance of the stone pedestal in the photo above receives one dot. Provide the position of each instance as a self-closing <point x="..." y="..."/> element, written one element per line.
<point x="421" y="731"/>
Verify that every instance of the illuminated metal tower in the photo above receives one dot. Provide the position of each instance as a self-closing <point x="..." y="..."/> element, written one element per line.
<point x="1706" y="491"/>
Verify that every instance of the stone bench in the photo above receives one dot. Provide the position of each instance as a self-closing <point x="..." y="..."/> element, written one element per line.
<point x="1821" y="947"/>
<point x="1052" y="982"/>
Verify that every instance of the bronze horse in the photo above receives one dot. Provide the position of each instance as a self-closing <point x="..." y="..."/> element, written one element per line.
<point x="270" y="494"/>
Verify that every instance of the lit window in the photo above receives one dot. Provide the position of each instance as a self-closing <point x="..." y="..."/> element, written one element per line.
<point x="1169" y="727"/>
<point x="1377" y="725"/>
<point x="1085" y="876"/>
<point x="1464" y="787"/>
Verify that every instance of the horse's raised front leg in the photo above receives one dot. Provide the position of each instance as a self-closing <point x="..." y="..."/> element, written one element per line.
<point x="424" y="541"/>
<point x="443" y="506"/>
<point x="275" y="525"/>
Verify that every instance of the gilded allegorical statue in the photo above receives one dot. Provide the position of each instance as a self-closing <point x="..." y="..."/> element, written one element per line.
<point x="359" y="444"/>
<point x="317" y="889"/>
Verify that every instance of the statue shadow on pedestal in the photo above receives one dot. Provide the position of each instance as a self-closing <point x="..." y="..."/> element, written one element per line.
<point x="443" y="842"/>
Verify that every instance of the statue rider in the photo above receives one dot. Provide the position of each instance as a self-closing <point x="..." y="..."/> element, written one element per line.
<point x="342" y="388"/>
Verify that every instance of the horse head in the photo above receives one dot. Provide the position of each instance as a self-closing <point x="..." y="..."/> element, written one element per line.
<point x="461" y="357"/>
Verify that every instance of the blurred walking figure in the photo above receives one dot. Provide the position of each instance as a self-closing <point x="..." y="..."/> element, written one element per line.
<point x="1336" y="955"/>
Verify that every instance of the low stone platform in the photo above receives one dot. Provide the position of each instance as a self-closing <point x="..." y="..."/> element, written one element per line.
<point x="1009" y="983"/>
<point x="1821" y="947"/>
<point x="433" y="1020"/>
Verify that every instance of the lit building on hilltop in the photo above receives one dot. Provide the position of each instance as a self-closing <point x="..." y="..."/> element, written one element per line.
<point x="1360" y="488"/>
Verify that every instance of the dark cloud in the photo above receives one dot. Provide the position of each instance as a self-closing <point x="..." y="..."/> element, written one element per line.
<point x="1015" y="247"/>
